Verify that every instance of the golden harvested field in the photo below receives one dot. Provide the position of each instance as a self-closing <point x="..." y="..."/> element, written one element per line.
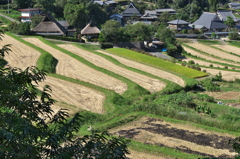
<point x="151" y="84"/>
<point x="193" y="52"/>
<point x="21" y="56"/>
<point x="214" y="52"/>
<point x="80" y="96"/>
<point x="179" y="136"/>
<point x="229" y="48"/>
<point x="148" y="69"/>
<point x="70" y="67"/>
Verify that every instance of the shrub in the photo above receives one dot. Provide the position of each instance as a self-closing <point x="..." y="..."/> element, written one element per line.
<point x="191" y="62"/>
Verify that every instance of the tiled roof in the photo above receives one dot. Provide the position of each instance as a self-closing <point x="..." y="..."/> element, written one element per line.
<point x="131" y="10"/>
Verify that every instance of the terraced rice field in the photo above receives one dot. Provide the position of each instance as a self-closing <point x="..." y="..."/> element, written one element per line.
<point x="146" y="68"/>
<point x="179" y="136"/>
<point x="229" y="48"/>
<point x="214" y="52"/>
<point x="151" y="84"/>
<point x="21" y="56"/>
<point x="80" y="96"/>
<point x="70" y="67"/>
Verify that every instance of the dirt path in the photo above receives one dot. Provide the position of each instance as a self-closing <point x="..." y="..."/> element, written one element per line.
<point x="229" y="48"/>
<point x="151" y="84"/>
<point x="22" y="56"/>
<point x="182" y="137"/>
<point x="148" y="69"/>
<point x="193" y="52"/>
<point x="74" y="94"/>
<point x="214" y="52"/>
<point x="70" y="67"/>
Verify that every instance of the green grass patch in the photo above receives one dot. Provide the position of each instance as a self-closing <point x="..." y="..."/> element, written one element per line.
<point x="158" y="63"/>
<point x="46" y="61"/>
<point x="234" y="43"/>
<point x="210" y="42"/>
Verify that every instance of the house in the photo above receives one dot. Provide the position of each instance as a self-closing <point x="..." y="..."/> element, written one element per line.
<point x="178" y="24"/>
<point x="169" y="10"/>
<point x="131" y="13"/>
<point x="210" y="22"/>
<point x="90" y="31"/>
<point x="147" y="17"/>
<point x="70" y="29"/>
<point x="49" y="26"/>
<point x="224" y="14"/>
<point x="117" y="17"/>
<point x="28" y="13"/>
<point x="234" y="5"/>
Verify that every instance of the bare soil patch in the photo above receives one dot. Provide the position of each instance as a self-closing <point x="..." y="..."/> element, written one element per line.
<point x="229" y="48"/>
<point x="148" y="69"/>
<point x="151" y="84"/>
<point x="70" y="67"/>
<point x="224" y="95"/>
<point x="214" y="52"/>
<point x="142" y="155"/>
<point x="74" y="94"/>
<point x="185" y="138"/>
<point x="193" y="52"/>
<point x="21" y="56"/>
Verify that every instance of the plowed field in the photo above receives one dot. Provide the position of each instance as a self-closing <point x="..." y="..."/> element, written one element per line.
<point x="148" y="69"/>
<point x="22" y="56"/>
<point x="77" y="95"/>
<point x="214" y="52"/>
<point x="70" y="67"/>
<point x="182" y="137"/>
<point x="151" y="84"/>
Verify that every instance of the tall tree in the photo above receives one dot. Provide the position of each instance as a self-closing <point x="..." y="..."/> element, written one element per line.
<point x="23" y="3"/>
<point x="76" y="15"/>
<point x="46" y="5"/>
<point x="213" y="4"/>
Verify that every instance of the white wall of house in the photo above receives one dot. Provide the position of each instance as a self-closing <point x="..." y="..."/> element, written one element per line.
<point x="27" y="15"/>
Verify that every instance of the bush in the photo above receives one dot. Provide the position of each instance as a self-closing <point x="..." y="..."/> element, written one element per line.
<point x="106" y="45"/>
<point x="20" y="29"/>
<point x="191" y="62"/>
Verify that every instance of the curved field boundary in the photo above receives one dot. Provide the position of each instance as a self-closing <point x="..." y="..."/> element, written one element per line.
<point x="156" y="62"/>
<point x="214" y="52"/>
<point x="80" y="96"/>
<point x="21" y="56"/>
<point x="153" y="85"/>
<point x="183" y="137"/>
<point x="70" y="67"/>
<point x="226" y="75"/>
<point x="146" y="68"/>
<point x="228" y="48"/>
<point x="209" y="58"/>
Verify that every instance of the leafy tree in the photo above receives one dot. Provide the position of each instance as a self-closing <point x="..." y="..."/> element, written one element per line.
<point x="162" y="4"/>
<point x="76" y="15"/>
<point x="111" y="32"/>
<point x="30" y="129"/>
<point x="230" y="22"/>
<point x="23" y="3"/>
<point x="234" y="35"/>
<point x="164" y="18"/>
<point x="46" y="5"/>
<point x="21" y="28"/>
<point x="139" y="32"/>
<point x="213" y="4"/>
<point x="35" y="20"/>
<point x="166" y="35"/>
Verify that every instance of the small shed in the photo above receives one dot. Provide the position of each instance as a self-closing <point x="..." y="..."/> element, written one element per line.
<point x="90" y="31"/>
<point x="49" y="26"/>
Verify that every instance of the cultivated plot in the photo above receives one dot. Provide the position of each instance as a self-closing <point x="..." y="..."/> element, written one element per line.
<point x="74" y="94"/>
<point x="70" y="67"/>
<point x="21" y="56"/>
<point x="151" y="84"/>
<point x="148" y="69"/>
<point x="229" y="48"/>
<point x="178" y="136"/>
<point x="214" y="52"/>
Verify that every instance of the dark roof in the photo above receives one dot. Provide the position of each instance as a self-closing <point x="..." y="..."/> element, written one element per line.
<point x="148" y="16"/>
<point x="210" y="21"/>
<point x="29" y="9"/>
<point x="178" y="21"/>
<point x="63" y="23"/>
<point x="90" y="29"/>
<point x="165" y="10"/>
<point x="131" y="10"/>
<point x="49" y="25"/>
<point x="234" y="5"/>
<point x="225" y="13"/>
